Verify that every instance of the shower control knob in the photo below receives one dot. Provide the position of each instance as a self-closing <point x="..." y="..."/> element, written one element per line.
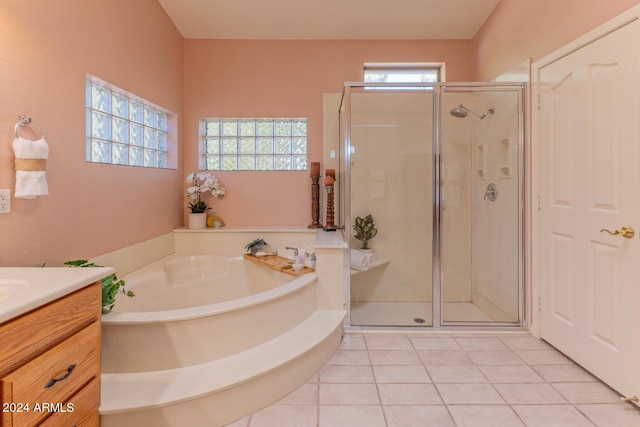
<point x="491" y="193"/>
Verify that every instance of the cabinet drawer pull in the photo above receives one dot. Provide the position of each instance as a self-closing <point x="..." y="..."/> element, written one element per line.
<point x="52" y="381"/>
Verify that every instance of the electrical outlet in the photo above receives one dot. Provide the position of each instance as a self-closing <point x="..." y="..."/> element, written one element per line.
<point x="5" y="201"/>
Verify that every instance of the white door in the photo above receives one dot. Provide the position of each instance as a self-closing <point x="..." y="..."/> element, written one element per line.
<point x="589" y="179"/>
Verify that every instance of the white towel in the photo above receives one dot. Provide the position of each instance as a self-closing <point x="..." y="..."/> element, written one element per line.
<point x="361" y="260"/>
<point x="31" y="179"/>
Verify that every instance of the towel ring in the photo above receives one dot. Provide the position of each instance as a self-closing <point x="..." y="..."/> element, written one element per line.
<point x="24" y="121"/>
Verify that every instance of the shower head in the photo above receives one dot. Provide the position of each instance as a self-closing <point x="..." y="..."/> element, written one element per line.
<point x="461" y="112"/>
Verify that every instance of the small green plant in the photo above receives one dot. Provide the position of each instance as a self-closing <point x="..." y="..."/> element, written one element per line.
<point x="111" y="285"/>
<point x="365" y="230"/>
<point x="255" y="246"/>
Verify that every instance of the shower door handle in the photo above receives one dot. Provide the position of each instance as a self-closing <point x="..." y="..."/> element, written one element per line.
<point x="626" y="231"/>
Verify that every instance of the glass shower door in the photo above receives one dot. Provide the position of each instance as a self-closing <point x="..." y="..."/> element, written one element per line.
<point x="480" y="210"/>
<point x="390" y="164"/>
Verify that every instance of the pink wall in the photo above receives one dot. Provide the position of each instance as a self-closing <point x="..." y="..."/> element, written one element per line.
<point x="46" y="48"/>
<point x="249" y="78"/>
<point x="518" y="30"/>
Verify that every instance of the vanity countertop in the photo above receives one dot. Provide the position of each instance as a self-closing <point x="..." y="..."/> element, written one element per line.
<point x="23" y="289"/>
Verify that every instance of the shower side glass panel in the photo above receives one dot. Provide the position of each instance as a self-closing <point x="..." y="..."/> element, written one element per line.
<point x="389" y="151"/>
<point x="480" y="209"/>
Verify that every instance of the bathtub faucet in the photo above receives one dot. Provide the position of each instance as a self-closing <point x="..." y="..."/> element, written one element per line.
<point x="295" y="250"/>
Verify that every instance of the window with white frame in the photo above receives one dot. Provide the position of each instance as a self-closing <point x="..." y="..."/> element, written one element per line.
<point x="255" y="144"/>
<point x="123" y="129"/>
<point x="403" y="73"/>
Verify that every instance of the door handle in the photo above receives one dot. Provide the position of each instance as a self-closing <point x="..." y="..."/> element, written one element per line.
<point x="626" y="231"/>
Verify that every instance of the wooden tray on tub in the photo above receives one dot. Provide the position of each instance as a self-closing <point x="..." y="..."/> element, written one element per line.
<point x="278" y="263"/>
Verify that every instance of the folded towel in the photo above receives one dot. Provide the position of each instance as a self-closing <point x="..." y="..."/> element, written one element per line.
<point x="30" y="162"/>
<point x="361" y="260"/>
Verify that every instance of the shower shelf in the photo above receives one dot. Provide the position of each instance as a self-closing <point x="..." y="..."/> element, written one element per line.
<point x="376" y="263"/>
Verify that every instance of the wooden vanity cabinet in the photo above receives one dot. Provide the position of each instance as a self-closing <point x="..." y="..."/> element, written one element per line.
<point x="50" y="363"/>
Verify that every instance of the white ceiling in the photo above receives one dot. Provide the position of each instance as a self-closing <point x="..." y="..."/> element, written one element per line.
<point x="329" y="19"/>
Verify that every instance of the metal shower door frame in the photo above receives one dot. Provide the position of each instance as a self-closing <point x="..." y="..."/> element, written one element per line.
<point x="438" y="275"/>
<point x="437" y="182"/>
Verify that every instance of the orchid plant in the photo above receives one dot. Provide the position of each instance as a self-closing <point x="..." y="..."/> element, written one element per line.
<point x="198" y="183"/>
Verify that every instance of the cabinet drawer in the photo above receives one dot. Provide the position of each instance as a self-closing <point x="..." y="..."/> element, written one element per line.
<point x="32" y="334"/>
<point x="81" y="409"/>
<point x="52" y="378"/>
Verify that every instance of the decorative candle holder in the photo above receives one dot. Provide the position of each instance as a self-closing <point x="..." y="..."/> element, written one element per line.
<point x="315" y="196"/>
<point x="328" y="185"/>
<point x="329" y="224"/>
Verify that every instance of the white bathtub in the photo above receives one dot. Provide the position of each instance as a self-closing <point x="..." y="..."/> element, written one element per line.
<point x="197" y="309"/>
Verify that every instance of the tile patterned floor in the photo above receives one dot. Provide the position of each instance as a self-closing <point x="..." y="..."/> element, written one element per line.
<point x="441" y="380"/>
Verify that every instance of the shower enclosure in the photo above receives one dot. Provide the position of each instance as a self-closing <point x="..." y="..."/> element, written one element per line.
<point x="439" y="167"/>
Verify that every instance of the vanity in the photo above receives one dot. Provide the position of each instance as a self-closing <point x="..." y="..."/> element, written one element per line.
<point x="50" y="333"/>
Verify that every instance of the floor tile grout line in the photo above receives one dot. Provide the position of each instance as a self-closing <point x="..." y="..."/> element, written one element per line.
<point x="318" y="398"/>
<point x="432" y="379"/>
<point x="384" y="415"/>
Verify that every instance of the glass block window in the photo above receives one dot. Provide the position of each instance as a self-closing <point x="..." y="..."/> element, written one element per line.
<point x="255" y="144"/>
<point x="123" y="129"/>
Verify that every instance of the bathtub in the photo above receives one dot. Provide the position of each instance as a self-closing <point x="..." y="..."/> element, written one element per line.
<point x="192" y="310"/>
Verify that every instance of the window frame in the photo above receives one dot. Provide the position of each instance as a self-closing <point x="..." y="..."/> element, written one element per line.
<point x="398" y="68"/>
<point x="297" y="138"/>
<point x="163" y="135"/>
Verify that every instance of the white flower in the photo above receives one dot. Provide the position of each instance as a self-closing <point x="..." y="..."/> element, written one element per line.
<point x="192" y="192"/>
<point x="202" y="183"/>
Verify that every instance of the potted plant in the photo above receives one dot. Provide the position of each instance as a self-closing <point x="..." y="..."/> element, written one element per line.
<point x="198" y="183"/>
<point x="255" y="246"/>
<point x="111" y="285"/>
<point x="365" y="230"/>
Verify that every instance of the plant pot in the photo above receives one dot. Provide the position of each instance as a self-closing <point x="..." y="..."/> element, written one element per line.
<point x="197" y="221"/>
<point x="368" y="250"/>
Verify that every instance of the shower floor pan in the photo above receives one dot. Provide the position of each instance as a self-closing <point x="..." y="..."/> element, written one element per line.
<point x="366" y="313"/>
